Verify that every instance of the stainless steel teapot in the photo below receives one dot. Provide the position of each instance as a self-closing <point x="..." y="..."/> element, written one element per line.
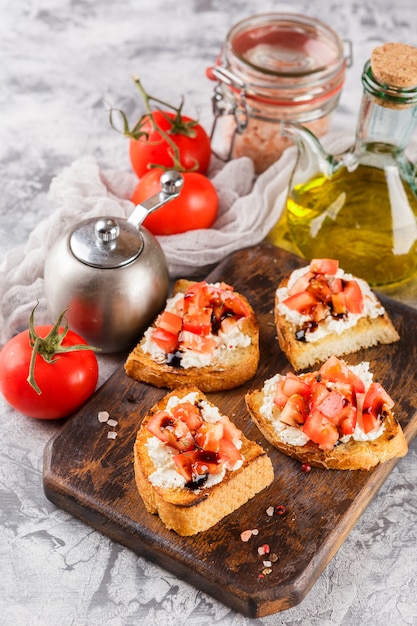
<point x="111" y="274"/>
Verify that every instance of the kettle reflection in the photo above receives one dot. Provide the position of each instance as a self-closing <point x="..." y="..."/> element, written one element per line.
<point x="360" y="206"/>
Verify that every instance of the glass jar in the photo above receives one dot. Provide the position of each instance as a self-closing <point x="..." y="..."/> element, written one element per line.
<point x="274" y="67"/>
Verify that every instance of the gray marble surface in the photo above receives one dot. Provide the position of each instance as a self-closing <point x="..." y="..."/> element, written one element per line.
<point x="62" y="63"/>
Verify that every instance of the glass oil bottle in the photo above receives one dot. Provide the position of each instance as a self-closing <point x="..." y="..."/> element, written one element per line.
<point x="360" y="207"/>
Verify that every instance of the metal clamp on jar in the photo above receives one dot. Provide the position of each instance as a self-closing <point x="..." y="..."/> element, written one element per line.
<point x="273" y="67"/>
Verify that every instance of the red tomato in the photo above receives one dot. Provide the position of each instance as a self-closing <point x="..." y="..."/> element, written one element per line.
<point x="65" y="384"/>
<point x="208" y="436"/>
<point x="197" y="343"/>
<point x="301" y="284"/>
<point x="196" y="297"/>
<point x="324" y="266"/>
<point x="294" y="384"/>
<point x="189" y="414"/>
<point x="295" y="411"/>
<point x="336" y="371"/>
<point x="196" y="464"/>
<point x="321" y="430"/>
<point x="302" y="301"/>
<point x="228" y="453"/>
<point x="375" y="400"/>
<point x="280" y="398"/>
<point x="199" y="322"/>
<point x="191" y="139"/>
<point x="230" y="430"/>
<point x="171" y="322"/>
<point x="171" y="431"/>
<point x="338" y="303"/>
<point x="196" y="207"/>
<point x="353" y="296"/>
<point x="165" y="340"/>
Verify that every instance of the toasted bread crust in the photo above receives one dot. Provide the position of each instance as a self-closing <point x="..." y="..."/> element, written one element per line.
<point x="188" y="512"/>
<point x="238" y="367"/>
<point x="302" y="355"/>
<point x="353" y="455"/>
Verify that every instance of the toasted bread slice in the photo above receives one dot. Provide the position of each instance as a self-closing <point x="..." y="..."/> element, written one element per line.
<point x="190" y="510"/>
<point x="343" y="335"/>
<point x="352" y="454"/>
<point x="229" y="367"/>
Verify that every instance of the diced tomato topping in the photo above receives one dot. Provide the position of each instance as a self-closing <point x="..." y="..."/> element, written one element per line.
<point x="348" y="419"/>
<point x="197" y="463"/>
<point x="171" y="322"/>
<point x="301" y="284"/>
<point x="235" y="304"/>
<point x="321" y="430"/>
<point x="319" y="312"/>
<point x="230" y="430"/>
<point x="376" y="397"/>
<point x="353" y="296"/>
<point x="166" y="341"/>
<point x="197" y="343"/>
<point x="368" y="421"/>
<point x="318" y="392"/>
<point x="280" y="398"/>
<point x="202" y="447"/>
<point x="320" y="288"/>
<point x="336" y="371"/>
<point x="198" y="322"/>
<point x="180" y="437"/>
<point x="227" y="323"/>
<point x="184" y="464"/>
<point x="375" y="400"/>
<point x="324" y="266"/>
<point x="228" y="453"/>
<point x="196" y="297"/>
<point x="188" y="413"/>
<point x="295" y="411"/>
<point x="336" y="284"/>
<point x="171" y="431"/>
<point x="159" y="423"/>
<point x="302" y="301"/>
<point x="208" y="436"/>
<point x="331" y="405"/>
<point x="338" y="303"/>
<point x="294" y="384"/>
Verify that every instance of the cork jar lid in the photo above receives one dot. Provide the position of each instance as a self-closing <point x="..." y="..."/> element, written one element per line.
<point x="395" y="64"/>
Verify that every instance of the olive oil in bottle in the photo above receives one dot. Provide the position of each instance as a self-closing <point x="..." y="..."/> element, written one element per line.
<point x="365" y="218"/>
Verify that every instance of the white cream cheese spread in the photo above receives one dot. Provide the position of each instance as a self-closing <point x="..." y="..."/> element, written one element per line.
<point x="295" y="436"/>
<point x="372" y="308"/>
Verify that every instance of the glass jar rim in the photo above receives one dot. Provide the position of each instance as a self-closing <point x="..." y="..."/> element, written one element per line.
<point x="252" y="40"/>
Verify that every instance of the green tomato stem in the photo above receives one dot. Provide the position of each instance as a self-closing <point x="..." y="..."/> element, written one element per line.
<point x="178" y="126"/>
<point x="51" y="345"/>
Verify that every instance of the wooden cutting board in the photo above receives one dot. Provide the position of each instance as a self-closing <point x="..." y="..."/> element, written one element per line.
<point x="91" y="476"/>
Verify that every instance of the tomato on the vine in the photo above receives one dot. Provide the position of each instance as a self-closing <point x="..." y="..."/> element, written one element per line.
<point x="196" y="206"/>
<point x="152" y="149"/>
<point x="47" y="372"/>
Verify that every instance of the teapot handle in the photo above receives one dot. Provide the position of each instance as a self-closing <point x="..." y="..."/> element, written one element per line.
<point x="171" y="184"/>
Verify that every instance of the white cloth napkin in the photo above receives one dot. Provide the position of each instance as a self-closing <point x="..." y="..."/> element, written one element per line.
<point x="247" y="212"/>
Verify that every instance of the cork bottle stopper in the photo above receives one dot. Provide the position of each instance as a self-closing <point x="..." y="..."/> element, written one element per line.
<point x="395" y="64"/>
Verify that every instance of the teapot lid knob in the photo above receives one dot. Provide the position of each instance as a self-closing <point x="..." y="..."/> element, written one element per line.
<point x="106" y="242"/>
<point x="107" y="229"/>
